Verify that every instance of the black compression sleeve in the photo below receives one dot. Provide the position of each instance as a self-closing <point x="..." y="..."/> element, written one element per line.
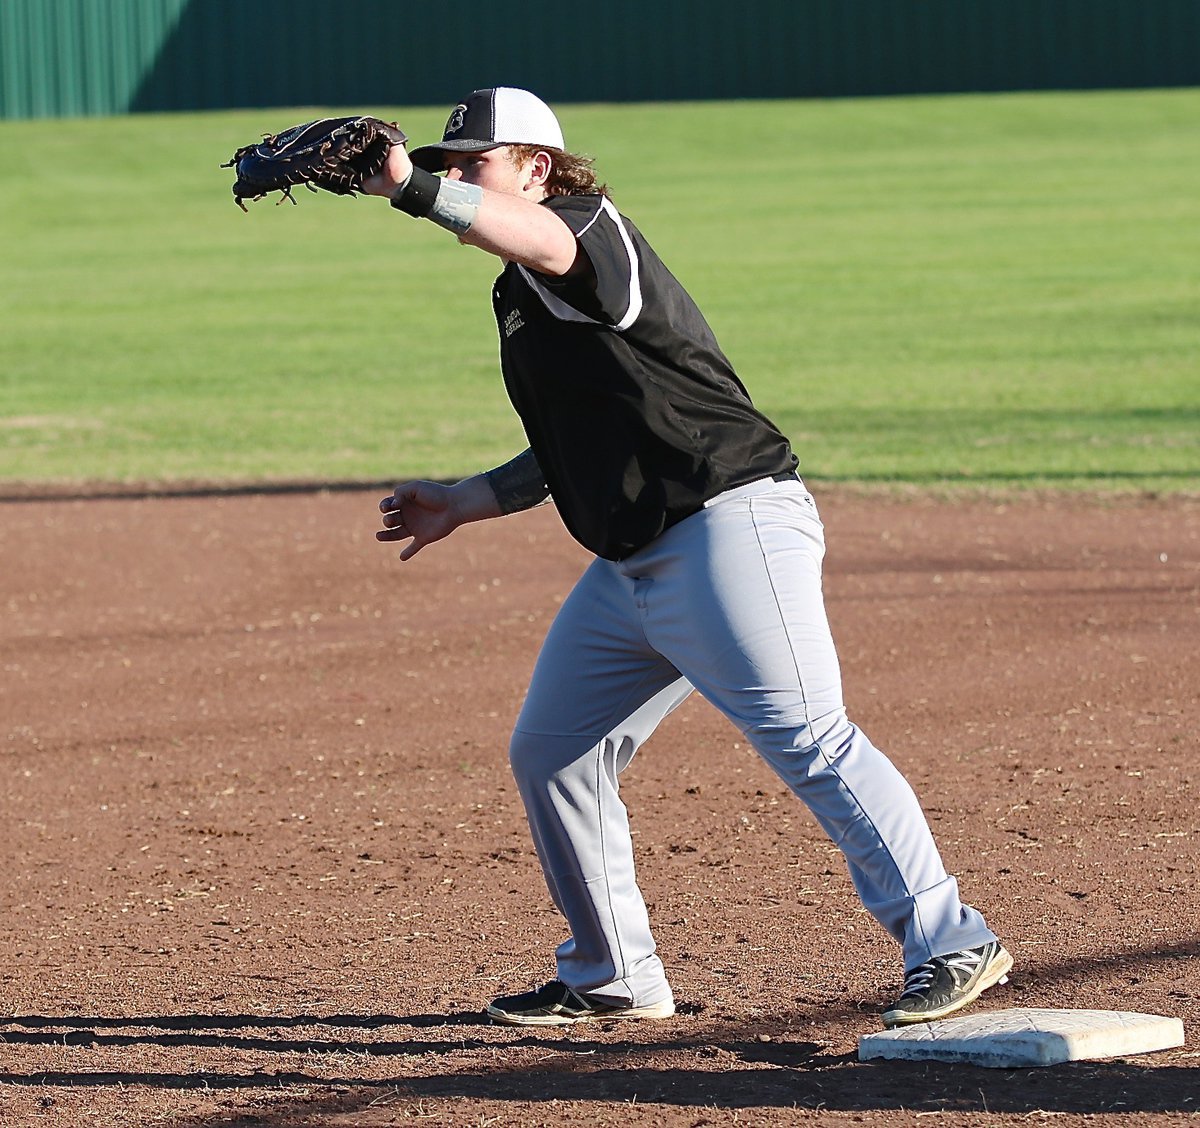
<point x="418" y="193"/>
<point x="519" y="483"/>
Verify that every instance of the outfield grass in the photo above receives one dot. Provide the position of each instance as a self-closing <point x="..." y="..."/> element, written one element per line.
<point x="999" y="290"/>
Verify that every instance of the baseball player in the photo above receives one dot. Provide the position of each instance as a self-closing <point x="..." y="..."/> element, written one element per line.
<point x="707" y="571"/>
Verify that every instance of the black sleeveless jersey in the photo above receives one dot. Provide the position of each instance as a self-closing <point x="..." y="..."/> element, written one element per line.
<point x="634" y="414"/>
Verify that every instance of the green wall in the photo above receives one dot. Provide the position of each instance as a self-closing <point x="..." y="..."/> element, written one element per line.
<point x="73" y="57"/>
<point x="77" y="57"/>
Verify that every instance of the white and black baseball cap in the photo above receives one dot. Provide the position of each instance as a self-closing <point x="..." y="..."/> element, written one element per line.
<point x="501" y="115"/>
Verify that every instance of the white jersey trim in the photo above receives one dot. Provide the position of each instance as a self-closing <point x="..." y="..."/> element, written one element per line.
<point x="564" y="312"/>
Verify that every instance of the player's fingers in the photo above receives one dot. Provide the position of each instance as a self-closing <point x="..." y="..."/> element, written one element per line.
<point x="392" y="534"/>
<point x="406" y="491"/>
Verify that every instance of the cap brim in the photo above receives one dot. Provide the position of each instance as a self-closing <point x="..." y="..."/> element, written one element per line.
<point x="431" y="157"/>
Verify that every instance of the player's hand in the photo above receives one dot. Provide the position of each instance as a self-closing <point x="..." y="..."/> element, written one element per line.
<point x="395" y="171"/>
<point x="421" y="513"/>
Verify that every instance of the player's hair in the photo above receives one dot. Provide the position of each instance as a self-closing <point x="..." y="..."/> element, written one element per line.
<point x="570" y="173"/>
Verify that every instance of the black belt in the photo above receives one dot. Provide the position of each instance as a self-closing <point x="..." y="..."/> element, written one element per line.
<point x="785" y="476"/>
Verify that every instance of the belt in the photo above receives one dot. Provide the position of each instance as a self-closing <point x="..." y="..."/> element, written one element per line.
<point x="750" y="489"/>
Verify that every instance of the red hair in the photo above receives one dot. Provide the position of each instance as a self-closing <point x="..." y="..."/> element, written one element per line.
<point x="570" y="174"/>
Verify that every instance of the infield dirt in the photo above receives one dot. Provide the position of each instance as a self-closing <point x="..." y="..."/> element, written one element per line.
<point x="266" y="860"/>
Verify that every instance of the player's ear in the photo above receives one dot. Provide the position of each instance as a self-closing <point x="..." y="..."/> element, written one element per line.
<point x="541" y="165"/>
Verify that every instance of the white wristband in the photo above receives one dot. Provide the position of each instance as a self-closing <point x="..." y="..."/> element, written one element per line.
<point x="448" y="203"/>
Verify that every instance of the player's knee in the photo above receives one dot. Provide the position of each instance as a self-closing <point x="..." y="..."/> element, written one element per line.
<point x="539" y="761"/>
<point x="533" y="758"/>
<point x="521" y="751"/>
<point x="806" y="747"/>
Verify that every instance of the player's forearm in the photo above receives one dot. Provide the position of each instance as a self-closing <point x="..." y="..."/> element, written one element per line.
<point x="473" y="499"/>
<point x="518" y="484"/>
<point x="511" y="227"/>
<point x="521" y="231"/>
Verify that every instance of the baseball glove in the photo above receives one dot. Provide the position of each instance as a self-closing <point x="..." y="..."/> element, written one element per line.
<point x="336" y="154"/>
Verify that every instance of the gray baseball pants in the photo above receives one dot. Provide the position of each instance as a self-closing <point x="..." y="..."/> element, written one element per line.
<point x="728" y="602"/>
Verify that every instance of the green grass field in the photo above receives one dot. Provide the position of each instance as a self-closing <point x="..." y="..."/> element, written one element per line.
<point x="991" y="290"/>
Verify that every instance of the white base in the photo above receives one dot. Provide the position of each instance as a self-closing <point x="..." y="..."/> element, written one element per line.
<point x="1019" y="1038"/>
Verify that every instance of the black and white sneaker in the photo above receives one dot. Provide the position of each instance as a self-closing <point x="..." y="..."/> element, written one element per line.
<point x="948" y="983"/>
<point x="557" y="1005"/>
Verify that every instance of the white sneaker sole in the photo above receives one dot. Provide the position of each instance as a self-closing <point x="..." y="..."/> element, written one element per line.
<point x="665" y="1009"/>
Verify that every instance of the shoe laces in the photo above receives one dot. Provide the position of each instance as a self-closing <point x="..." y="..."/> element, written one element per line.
<point x="960" y="965"/>
<point x="557" y="993"/>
